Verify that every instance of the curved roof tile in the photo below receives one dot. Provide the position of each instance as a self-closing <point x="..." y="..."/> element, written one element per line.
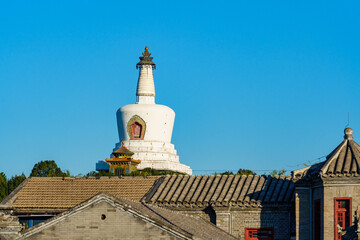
<point x="223" y="190"/>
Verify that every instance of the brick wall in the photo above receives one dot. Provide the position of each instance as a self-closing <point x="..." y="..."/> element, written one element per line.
<point x="87" y="224"/>
<point x="302" y="201"/>
<point x="332" y="191"/>
<point x="234" y="220"/>
<point x="207" y="214"/>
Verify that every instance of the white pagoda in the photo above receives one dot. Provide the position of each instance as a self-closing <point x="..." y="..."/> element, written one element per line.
<point x="145" y="128"/>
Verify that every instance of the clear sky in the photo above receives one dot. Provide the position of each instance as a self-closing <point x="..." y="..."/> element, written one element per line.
<point x="255" y="84"/>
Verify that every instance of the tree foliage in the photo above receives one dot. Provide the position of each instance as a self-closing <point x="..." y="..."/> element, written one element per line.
<point x="239" y="172"/>
<point x="3" y="186"/>
<point x="15" y="181"/>
<point x="98" y="174"/>
<point x="144" y="172"/>
<point x="152" y="172"/>
<point x="9" y="185"/>
<point x="245" y="172"/>
<point x="48" y="168"/>
<point x="277" y="172"/>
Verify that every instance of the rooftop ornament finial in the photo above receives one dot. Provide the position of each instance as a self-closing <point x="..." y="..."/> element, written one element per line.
<point x="348" y="133"/>
<point x="146" y="59"/>
<point x="146" y="53"/>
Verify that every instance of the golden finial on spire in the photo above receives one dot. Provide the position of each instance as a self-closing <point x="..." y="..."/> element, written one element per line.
<point x="123" y="143"/>
<point x="146" y="53"/>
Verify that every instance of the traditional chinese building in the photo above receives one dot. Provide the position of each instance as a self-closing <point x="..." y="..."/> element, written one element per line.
<point x="319" y="202"/>
<point x="328" y="194"/>
<point x="122" y="161"/>
<point x="146" y="128"/>
<point x="108" y="217"/>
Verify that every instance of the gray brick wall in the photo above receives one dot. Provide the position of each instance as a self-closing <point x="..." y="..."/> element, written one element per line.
<point x="302" y="201"/>
<point x="234" y="220"/>
<point x="88" y="224"/>
<point x="336" y="191"/>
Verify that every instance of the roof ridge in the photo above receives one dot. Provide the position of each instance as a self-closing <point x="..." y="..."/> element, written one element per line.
<point x="331" y="156"/>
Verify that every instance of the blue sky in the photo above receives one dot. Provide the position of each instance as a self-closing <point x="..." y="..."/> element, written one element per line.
<point x="260" y="85"/>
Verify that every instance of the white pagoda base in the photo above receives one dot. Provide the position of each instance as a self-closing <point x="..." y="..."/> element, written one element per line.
<point x="156" y="155"/>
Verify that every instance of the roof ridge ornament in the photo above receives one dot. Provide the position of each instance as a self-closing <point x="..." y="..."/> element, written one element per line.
<point x="146" y="59"/>
<point x="146" y="53"/>
<point x="348" y="133"/>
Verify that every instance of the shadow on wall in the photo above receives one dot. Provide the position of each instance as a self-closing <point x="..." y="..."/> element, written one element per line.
<point x="211" y="213"/>
<point x="277" y="211"/>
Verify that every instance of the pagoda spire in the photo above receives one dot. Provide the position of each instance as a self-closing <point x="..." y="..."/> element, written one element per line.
<point x="145" y="93"/>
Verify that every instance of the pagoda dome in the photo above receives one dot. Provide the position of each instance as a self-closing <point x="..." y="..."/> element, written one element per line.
<point x="157" y="121"/>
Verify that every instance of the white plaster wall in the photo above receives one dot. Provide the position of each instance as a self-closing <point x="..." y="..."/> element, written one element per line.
<point x="159" y="121"/>
<point x="146" y="86"/>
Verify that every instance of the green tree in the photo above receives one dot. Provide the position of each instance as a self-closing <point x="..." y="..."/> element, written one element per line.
<point x="48" y="168"/>
<point x="245" y="172"/>
<point x="152" y="172"/>
<point x="277" y="172"/>
<point x="240" y="172"/>
<point x="98" y="174"/>
<point x="15" y="181"/>
<point x="3" y="186"/>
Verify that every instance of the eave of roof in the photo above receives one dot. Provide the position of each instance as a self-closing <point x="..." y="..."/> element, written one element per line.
<point x="123" y="151"/>
<point x="114" y="159"/>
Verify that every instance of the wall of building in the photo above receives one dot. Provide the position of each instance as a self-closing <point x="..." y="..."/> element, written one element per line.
<point x="336" y="190"/>
<point x="326" y="192"/>
<point x="234" y="220"/>
<point x="207" y="213"/>
<point x="9" y="225"/>
<point x="87" y="224"/>
<point x="302" y="212"/>
<point x="318" y="194"/>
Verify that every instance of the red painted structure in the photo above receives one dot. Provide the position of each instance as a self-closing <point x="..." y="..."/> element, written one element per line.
<point x="136" y="131"/>
<point x="263" y="233"/>
<point x="342" y="215"/>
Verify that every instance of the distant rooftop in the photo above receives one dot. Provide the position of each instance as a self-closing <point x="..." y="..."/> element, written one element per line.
<point x="232" y="190"/>
<point x="343" y="161"/>
<point x="57" y="194"/>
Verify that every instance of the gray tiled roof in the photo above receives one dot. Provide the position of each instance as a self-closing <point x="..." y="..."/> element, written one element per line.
<point x="222" y="190"/>
<point x="343" y="161"/>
